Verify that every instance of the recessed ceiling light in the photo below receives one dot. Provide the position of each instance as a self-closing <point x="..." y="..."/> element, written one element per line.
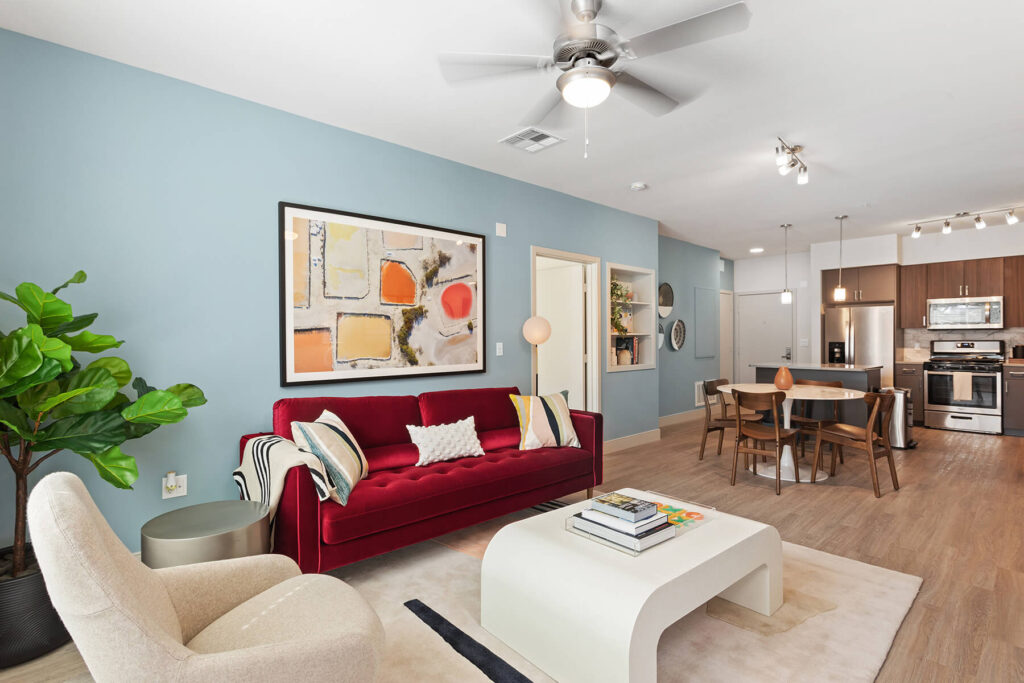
<point x="757" y="250"/>
<point x="638" y="186"/>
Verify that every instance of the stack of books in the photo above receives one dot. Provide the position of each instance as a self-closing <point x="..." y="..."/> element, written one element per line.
<point x="626" y="521"/>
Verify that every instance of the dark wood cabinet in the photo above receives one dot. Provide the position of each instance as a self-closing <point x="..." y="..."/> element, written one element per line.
<point x="1013" y="399"/>
<point x="983" y="277"/>
<point x="868" y="284"/>
<point x="946" y="280"/>
<point x="911" y="376"/>
<point x="1013" y="292"/>
<point x="913" y="301"/>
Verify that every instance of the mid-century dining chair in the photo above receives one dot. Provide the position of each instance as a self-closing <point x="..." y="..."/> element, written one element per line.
<point x="753" y="438"/>
<point x="873" y="438"/>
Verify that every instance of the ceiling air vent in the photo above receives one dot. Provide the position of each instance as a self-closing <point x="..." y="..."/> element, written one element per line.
<point x="531" y="140"/>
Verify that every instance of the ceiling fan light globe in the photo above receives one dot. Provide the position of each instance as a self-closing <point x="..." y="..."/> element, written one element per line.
<point x="586" y="86"/>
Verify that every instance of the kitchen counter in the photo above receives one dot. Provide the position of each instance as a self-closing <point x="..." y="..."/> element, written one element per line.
<point x="819" y="366"/>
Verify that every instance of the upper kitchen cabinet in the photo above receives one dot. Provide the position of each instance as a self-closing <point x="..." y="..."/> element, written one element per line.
<point x="1013" y="291"/>
<point x="983" y="277"/>
<point x="914" y="296"/>
<point x="946" y="280"/>
<point x="867" y="284"/>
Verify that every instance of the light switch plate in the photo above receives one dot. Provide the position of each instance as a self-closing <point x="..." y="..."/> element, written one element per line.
<point x="500" y="230"/>
<point x="180" y="486"/>
<point x="499" y="349"/>
<point x="805" y="342"/>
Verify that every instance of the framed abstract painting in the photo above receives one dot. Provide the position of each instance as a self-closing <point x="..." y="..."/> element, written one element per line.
<point x="364" y="297"/>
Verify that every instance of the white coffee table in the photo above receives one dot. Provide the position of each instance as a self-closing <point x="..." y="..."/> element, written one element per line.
<point x="581" y="611"/>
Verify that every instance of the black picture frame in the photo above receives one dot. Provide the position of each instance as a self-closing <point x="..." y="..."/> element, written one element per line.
<point x="284" y="294"/>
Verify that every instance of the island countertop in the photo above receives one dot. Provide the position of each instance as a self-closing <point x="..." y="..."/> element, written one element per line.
<point x="819" y="366"/>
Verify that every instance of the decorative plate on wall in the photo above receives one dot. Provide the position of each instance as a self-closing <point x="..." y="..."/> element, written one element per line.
<point x="666" y="299"/>
<point x="661" y="335"/>
<point x="678" y="335"/>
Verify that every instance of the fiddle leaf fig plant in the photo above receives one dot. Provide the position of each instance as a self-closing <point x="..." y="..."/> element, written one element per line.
<point x="50" y="402"/>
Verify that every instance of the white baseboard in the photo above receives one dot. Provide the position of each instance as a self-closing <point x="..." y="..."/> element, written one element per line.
<point x="680" y="418"/>
<point x="624" y="442"/>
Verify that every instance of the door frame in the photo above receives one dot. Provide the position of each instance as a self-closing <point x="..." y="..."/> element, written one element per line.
<point x="732" y="361"/>
<point x="592" y="334"/>
<point x="735" y="329"/>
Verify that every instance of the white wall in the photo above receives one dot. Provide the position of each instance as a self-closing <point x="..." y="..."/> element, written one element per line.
<point x="767" y="274"/>
<point x="560" y="358"/>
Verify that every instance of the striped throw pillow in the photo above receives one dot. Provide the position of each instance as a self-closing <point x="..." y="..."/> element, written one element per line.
<point x="544" y="422"/>
<point x="331" y="441"/>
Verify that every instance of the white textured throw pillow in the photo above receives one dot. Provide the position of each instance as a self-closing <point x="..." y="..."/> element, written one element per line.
<point x="446" y="442"/>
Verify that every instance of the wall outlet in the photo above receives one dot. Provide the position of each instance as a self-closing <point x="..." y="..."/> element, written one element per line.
<point x="499" y="349"/>
<point x="174" y="485"/>
<point x="500" y="230"/>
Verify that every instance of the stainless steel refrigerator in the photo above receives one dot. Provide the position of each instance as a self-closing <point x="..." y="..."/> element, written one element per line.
<point x="861" y="335"/>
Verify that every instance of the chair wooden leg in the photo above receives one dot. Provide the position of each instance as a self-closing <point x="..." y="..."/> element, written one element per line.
<point x="892" y="469"/>
<point x="703" y="442"/>
<point x="721" y="438"/>
<point x="735" y="461"/>
<point x="837" y="450"/>
<point x="841" y="461"/>
<point x="753" y="458"/>
<point x="817" y="460"/>
<point x="874" y="469"/>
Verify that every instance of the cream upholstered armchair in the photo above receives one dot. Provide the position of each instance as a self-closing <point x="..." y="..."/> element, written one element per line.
<point x="255" y="618"/>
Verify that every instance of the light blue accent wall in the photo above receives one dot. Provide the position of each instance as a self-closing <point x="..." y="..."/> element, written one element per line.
<point x="686" y="267"/>
<point x="166" y="194"/>
<point x="726" y="276"/>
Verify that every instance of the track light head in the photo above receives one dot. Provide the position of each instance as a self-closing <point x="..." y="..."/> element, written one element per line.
<point x="781" y="156"/>
<point x="801" y="176"/>
<point x="1011" y="217"/>
<point x="917" y="232"/>
<point x="979" y="222"/>
<point x="788" y="166"/>
<point x="947" y="228"/>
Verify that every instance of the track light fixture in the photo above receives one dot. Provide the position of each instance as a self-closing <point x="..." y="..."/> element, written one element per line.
<point x="1009" y="215"/>
<point x="787" y="159"/>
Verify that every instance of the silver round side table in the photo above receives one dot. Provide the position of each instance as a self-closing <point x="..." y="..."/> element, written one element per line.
<point x="219" y="530"/>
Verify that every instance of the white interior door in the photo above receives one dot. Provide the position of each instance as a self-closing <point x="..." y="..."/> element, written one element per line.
<point x="725" y="336"/>
<point x="561" y="360"/>
<point x="764" y="332"/>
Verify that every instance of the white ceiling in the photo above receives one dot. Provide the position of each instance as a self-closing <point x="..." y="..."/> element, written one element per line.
<point x="907" y="110"/>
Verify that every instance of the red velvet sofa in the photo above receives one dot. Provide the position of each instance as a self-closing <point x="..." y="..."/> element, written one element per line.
<point x="398" y="504"/>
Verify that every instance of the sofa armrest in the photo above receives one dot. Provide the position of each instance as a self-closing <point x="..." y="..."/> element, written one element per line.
<point x="206" y="591"/>
<point x="297" y="524"/>
<point x="245" y="439"/>
<point x="590" y="430"/>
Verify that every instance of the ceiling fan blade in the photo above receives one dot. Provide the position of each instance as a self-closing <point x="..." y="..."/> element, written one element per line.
<point x="645" y="96"/>
<point x="715" y="24"/>
<point x="465" y="66"/>
<point x="543" y="109"/>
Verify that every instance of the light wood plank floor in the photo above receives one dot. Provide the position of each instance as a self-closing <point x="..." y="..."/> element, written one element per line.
<point x="957" y="521"/>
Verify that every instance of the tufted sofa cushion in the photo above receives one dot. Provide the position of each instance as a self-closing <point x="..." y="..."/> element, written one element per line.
<point x="392" y="498"/>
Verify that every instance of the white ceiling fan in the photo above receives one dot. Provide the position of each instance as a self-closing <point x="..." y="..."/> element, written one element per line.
<point x="592" y="58"/>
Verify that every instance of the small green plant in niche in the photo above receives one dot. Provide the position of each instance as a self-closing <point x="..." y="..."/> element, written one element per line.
<point x="617" y="295"/>
<point x="50" y="402"/>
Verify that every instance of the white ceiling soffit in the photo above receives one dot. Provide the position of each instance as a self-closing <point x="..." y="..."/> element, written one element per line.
<point x="907" y="109"/>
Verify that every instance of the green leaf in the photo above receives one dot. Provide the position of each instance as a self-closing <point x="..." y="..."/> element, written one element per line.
<point x="119" y="401"/>
<point x="92" y="343"/>
<point x="33" y="396"/>
<point x="156" y="407"/>
<point x="42" y="308"/>
<point x="118" y="367"/>
<point x="50" y="346"/>
<point x="7" y="297"/>
<point x="15" y="420"/>
<point x="190" y="395"/>
<point x="19" y="357"/>
<point x="54" y="401"/>
<point x="115" y="467"/>
<point x="79" y="322"/>
<point x="141" y="388"/>
<point x="91" y="433"/>
<point x="48" y="370"/>
<point x="137" y="430"/>
<point x="75" y="279"/>
<point x="101" y="387"/>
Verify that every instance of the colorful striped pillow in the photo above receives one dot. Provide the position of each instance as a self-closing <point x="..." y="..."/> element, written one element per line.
<point x="330" y="440"/>
<point x="544" y="422"/>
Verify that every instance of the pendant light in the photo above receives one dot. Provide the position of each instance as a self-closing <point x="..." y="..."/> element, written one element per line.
<point x="787" y="294"/>
<point x="839" y="293"/>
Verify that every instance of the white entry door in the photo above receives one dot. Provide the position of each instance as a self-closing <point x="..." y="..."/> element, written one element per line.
<point x="764" y="332"/>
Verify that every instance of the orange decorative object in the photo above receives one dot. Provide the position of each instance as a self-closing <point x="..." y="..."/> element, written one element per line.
<point x="783" y="379"/>
<point x="397" y="285"/>
<point x="457" y="300"/>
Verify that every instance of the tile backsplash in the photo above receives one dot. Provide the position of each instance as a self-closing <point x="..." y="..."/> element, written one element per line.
<point x="921" y="339"/>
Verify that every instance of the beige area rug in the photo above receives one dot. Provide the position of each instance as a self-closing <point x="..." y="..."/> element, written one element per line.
<point x="840" y="629"/>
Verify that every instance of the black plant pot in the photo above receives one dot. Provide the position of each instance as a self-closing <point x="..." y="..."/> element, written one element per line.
<point x="29" y="625"/>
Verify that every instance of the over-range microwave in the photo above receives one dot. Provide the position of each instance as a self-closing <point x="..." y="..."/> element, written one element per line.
<point x="966" y="313"/>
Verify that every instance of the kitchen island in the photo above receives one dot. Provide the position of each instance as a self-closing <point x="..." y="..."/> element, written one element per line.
<point x="863" y="377"/>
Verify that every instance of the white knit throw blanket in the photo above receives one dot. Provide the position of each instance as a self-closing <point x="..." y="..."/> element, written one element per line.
<point x="265" y="463"/>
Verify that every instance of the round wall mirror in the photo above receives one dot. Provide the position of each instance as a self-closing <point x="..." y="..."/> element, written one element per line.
<point x="666" y="297"/>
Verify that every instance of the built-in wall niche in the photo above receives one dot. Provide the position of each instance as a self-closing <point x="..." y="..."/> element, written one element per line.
<point x="632" y="315"/>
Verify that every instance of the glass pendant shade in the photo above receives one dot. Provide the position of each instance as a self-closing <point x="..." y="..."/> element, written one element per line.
<point x="787" y="296"/>
<point x="839" y="294"/>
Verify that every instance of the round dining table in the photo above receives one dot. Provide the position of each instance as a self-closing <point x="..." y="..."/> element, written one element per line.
<point x="798" y="392"/>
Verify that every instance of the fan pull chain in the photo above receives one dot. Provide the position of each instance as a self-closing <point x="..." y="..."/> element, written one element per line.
<point x="586" y="133"/>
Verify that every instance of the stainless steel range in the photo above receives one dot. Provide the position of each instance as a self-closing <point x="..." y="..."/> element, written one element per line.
<point x="963" y="386"/>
